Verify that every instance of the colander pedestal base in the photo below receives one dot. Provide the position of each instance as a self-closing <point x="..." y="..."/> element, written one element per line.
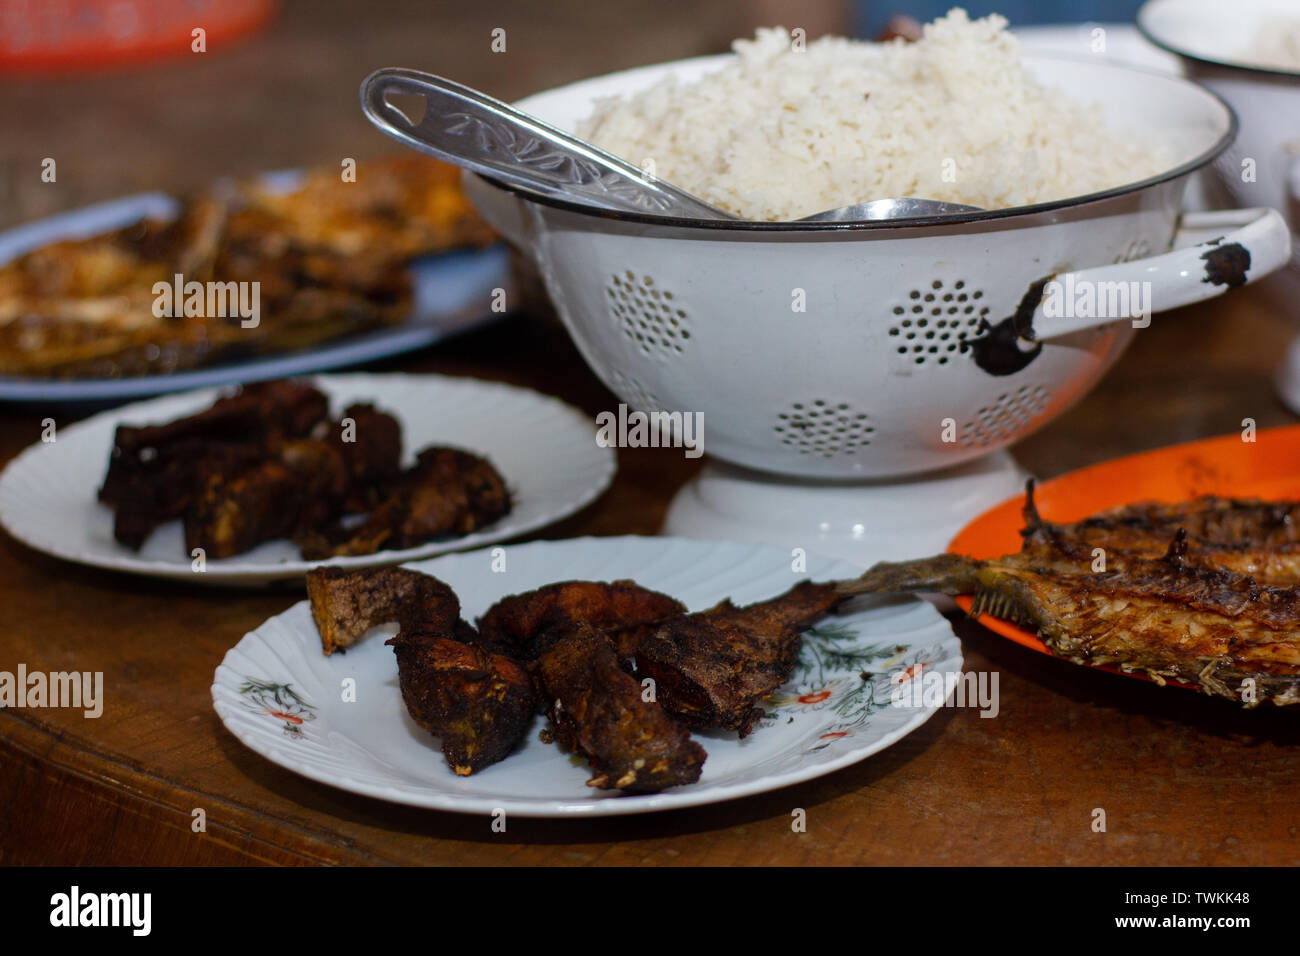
<point x="864" y="522"/>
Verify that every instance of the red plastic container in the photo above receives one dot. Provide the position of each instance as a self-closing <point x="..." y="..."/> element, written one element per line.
<point x="68" y="35"/>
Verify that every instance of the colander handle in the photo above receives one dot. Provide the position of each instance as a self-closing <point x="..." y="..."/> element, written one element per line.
<point x="1214" y="252"/>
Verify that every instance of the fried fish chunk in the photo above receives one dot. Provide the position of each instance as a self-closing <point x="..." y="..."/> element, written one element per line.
<point x="296" y="487"/>
<point x="155" y="471"/>
<point x="233" y="514"/>
<point x="398" y="207"/>
<point x="323" y="481"/>
<point x="600" y="711"/>
<point x="711" y="669"/>
<point x="346" y="603"/>
<point x="166" y="487"/>
<point x="267" y="462"/>
<point x="85" y="307"/>
<point x="447" y="491"/>
<point x="372" y="451"/>
<point x="526" y="623"/>
<point x="478" y="703"/>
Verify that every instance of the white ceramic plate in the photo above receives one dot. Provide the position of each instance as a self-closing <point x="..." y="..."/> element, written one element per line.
<point x="281" y="696"/>
<point x="546" y="451"/>
<point x="451" y="294"/>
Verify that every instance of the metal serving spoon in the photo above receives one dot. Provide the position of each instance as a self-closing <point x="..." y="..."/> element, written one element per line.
<point x="890" y="209"/>
<point x="463" y="126"/>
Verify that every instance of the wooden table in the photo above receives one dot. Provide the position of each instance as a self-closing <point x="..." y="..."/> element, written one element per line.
<point x="1183" y="779"/>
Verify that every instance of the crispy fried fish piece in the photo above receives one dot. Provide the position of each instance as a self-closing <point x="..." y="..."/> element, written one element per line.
<point x="165" y="488"/>
<point x="598" y="710"/>
<point x="329" y="259"/>
<point x="711" y="669"/>
<point x="255" y="414"/>
<point x="232" y="514"/>
<point x="155" y="471"/>
<point x="478" y="703"/>
<point x="1246" y="535"/>
<point x="1164" y="617"/>
<point x="267" y="463"/>
<point x="323" y="480"/>
<point x="451" y="491"/>
<point x="526" y="623"/>
<point x="345" y="604"/>
<point x="296" y="487"/>
<point x="447" y="491"/>
<point x="372" y="450"/>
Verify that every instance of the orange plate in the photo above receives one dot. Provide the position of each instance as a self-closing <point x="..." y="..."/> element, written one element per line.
<point x="1267" y="468"/>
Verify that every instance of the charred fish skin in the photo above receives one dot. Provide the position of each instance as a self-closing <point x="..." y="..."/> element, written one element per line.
<point x="526" y="624"/>
<point x="600" y="711"/>
<point x="1252" y="537"/>
<point x="479" y="704"/>
<point x="712" y="669"/>
<point x="1167" y="618"/>
<point x="346" y="603"/>
<point x="1210" y="519"/>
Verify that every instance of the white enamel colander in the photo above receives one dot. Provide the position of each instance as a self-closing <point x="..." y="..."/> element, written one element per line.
<point x="919" y="345"/>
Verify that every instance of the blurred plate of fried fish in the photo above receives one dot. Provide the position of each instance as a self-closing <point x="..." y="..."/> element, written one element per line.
<point x="344" y="271"/>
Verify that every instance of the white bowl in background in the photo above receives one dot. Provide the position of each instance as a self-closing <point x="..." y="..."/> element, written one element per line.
<point x="1213" y="39"/>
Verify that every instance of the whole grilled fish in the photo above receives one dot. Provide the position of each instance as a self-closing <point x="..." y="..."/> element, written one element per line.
<point x="1166" y="617"/>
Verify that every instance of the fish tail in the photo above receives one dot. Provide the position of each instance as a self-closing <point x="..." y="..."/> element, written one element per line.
<point x="945" y="574"/>
<point x="996" y="589"/>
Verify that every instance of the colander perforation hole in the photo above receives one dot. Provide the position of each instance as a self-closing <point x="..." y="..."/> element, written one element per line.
<point x="1006" y="418"/>
<point x="951" y="307"/>
<point x="648" y="314"/>
<point x="824" y="428"/>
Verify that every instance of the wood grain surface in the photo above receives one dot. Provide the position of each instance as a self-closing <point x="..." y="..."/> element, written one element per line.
<point x="1182" y="779"/>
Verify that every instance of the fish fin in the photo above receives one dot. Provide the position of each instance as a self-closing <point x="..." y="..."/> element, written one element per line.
<point x="991" y="603"/>
<point x="1036" y="531"/>
<point x="1177" y="553"/>
<point x="1033" y="520"/>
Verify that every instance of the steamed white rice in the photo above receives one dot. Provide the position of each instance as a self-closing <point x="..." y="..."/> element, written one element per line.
<point x="782" y="132"/>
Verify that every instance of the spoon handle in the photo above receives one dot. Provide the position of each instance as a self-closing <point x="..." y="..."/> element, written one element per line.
<point x="462" y="126"/>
